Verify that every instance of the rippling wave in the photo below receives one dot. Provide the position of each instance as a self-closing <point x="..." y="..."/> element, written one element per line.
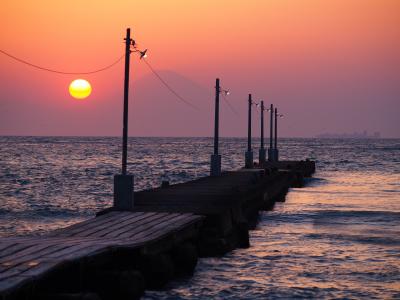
<point x="337" y="238"/>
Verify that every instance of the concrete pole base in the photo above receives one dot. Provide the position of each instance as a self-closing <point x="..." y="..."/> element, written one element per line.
<point x="261" y="156"/>
<point x="123" y="192"/>
<point x="248" y="160"/>
<point x="273" y="154"/>
<point x="215" y="165"/>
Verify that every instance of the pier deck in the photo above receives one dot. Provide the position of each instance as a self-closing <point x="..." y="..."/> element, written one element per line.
<point x="24" y="260"/>
<point x="168" y="228"/>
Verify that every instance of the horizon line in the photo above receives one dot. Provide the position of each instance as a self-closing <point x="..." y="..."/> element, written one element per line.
<point x="211" y="137"/>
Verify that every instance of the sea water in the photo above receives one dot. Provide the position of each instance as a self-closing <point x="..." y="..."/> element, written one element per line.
<point x="336" y="238"/>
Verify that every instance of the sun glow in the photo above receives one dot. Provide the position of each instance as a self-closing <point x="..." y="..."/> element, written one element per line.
<point x="80" y="89"/>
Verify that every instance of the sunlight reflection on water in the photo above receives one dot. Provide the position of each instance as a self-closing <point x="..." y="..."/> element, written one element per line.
<point x="338" y="237"/>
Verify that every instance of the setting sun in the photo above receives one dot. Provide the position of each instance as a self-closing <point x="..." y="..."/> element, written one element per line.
<point x="80" y="88"/>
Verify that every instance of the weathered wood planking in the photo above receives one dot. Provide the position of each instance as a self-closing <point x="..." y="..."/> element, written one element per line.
<point x="25" y="259"/>
<point x="208" y="195"/>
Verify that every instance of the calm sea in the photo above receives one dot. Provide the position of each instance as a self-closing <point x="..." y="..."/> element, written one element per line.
<point x="337" y="238"/>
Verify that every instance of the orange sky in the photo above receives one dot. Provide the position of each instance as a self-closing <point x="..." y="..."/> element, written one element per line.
<point x="329" y="65"/>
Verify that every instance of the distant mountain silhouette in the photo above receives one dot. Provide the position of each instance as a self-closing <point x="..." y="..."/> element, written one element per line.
<point x="154" y="110"/>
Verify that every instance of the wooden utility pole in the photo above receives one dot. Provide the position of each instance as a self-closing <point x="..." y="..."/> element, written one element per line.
<point x="216" y="157"/>
<point x="276" y="129"/>
<point x="276" y="152"/>
<point x="249" y="153"/>
<point x="249" y="125"/>
<point x="216" y="119"/>
<point x="123" y="183"/>
<point x="261" y="153"/>
<point x="271" y="136"/>
<point x="262" y="125"/>
<point x="128" y="42"/>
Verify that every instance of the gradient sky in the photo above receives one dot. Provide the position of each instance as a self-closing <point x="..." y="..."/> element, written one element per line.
<point x="329" y="65"/>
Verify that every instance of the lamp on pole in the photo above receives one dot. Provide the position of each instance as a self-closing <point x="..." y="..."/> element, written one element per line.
<point x="124" y="183"/>
<point x="249" y="152"/>
<point x="216" y="157"/>
<point x="261" y="153"/>
<point x="276" y="151"/>
<point x="271" y="135"/>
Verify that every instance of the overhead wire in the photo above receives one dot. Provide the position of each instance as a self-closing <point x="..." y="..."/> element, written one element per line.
<point x="105" y="68"/>
<point x="169" y="87"/>
<point x="232" y="108"/>
<point x="61" y="72"/>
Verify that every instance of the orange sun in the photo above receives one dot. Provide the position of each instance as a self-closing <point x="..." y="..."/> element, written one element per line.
<point x="80" y="88"/>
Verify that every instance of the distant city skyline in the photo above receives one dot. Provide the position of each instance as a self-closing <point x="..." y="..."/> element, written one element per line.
<point x="363" y="134"/>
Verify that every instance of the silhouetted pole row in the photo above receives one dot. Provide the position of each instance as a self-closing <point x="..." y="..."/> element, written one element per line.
<point x="249" y="152"/>
<point x="216" y="158"/>
<point x="261" y="152"/>
<point x="124" y="184"/>
<point x="271" y="135"/>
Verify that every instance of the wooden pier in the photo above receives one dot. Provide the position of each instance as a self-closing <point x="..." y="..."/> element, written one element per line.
<point x="26" y="263"/>
<point x="118" y="254"/>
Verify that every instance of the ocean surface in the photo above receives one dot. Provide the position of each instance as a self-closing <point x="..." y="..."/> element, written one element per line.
<point x="336" y="238"/>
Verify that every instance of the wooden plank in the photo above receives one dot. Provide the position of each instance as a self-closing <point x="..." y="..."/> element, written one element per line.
<point x="85" y="223"/>
<point x="13" y="249"/>
<point x="71" y="251"/>
<point x="135" y="217"/>
<point x="93" y="223"/>
<point x="146" y="226"/>
<point x="163" y="228"/>
<point x="41" y="268"/>
<point x="180" y="225"/>
<point x="90" y="251"/>
<point x="119" y="233"/>
<point x="115" y="231"/>
<point x="27" y="251"/>
<point x="4" y="244"/>
<point x="32" y="254"/>
<point x="201" y="210"/>
<point x="116" y="219"/>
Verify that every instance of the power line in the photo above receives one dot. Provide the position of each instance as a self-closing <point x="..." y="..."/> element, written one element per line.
<point x="57" y="71"/>
<point x="102" y="69"/>
<point x="232" y="108"/>
<point x="168" y="86"/>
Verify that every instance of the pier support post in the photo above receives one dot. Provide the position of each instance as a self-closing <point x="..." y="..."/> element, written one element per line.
<point x="215" y="165"/>
<point x="123" y="192"/>
<point x="249" y="152"/>
<point x="216" y="158"/>
<point x="261" y="152"/>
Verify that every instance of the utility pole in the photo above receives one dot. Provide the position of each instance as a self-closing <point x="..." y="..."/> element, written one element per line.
<point x="216" y="157"/>
<point x="276" y="136"/>
<point x="249" y="152"/>
<point x="124" y="184"/>
<point x="216" y="117"/>
<point x="271" y="146"/>
<point x="261" y="153"/>
<point x="126" y="95"/>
